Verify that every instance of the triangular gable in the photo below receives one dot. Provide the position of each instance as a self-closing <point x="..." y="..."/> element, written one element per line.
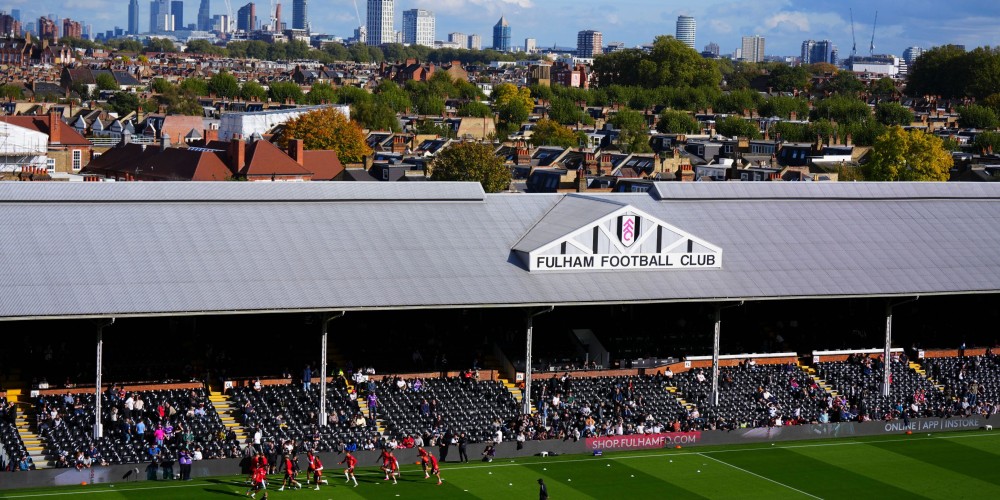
<point x="625" y="238"/>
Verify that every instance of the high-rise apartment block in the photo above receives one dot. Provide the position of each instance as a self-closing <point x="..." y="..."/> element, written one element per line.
<point x="501" y="35"/>
<point x="686" y="28"/>
<point x="380" y="22"/>
<point x="753" y="49"/>
<point x="589" y="43"/>
<point x="418" y="27"/>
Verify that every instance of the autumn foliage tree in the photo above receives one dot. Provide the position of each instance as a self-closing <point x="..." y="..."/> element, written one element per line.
<point x="471" y="162"/>
<point x="328" y="129"/>
<point x="907" y="155"/>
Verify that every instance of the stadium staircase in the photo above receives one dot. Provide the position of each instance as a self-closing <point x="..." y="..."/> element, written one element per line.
<point x="517" y="393"/>
<point x="227" y="411"/>
<point x="823" y="384"/>
<point x="26" y="416"/>
<point x="923" y="373"/>
<point x="673" y="392"/>
<point x="363" y="406"/>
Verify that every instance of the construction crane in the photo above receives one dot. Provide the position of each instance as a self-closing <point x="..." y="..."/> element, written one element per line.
<point x="871" y="47"/>
<point x="358" y="13"/>
<point x="854" y="41"/>
<point x="231" y="21"/>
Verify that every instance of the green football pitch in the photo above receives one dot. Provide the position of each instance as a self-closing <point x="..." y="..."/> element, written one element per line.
<point x="947" y="466"/>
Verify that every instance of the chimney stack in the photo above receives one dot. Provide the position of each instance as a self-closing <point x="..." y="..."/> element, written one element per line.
<point x="55" y="128"/>
<point x="296" y="149"/>
<point x="164" y="141"/>
<point x="581" y="180"/>
<point x="237" y="154"/>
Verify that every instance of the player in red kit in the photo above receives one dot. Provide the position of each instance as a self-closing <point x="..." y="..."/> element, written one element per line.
<point x="393" y="467"/>
<point x="349" y="471"/>
<point x="434" y="467"/>
<point x="316" y="467"/>
<point x="258" y="482"/>
<point x="289" y="475"/>
<point x="385" y="457"/>
<point x="423" y="460"/>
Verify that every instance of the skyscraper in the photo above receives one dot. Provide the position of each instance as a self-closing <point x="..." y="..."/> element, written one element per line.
<point x="72" y="29"/>
<point x="501" y="35"/>
<point x="458" y="38"/>
<point x="300" y="15"/>
<point x="530" y="45"/>
<point x="160" y="17"/>
<point x="16" y="14"/>
<point x="823" y="51"/>
<point x="177" y="10"/>
<point x="589" y="43"/>
<point x="204" y="16"/>
<point x="418" y="27"/>
<point x="686" y="28"/>
<point x="246" y="17"/>
<point x="911" y="54"/>
<point x="154" y="8"/>
<point x="380" y="22"/>
<point x="753" y="49"/>
<point x="133" y="17"/>
<point x="475" y="42"/>
<point x="712" y="49"/>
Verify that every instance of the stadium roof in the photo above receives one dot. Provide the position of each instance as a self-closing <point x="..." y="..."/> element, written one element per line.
<point x="124" y="249"/>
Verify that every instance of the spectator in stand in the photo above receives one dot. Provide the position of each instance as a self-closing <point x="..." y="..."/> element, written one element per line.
<point x="307" y="378"/>
<point x="372" y="403"/>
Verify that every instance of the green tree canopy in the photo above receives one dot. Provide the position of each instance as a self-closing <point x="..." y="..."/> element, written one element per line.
<point x="913" y="155"/>
<point x="106" y="81"/>
<point x="975" y="116"/>
<point x="842" y="109"/>
<point x="252" y="91"/>
<point x="223" y="85"/>
<point x="633" y="131"/>
<point x="160" y="45"/>
<point x="513" y="105"/>
<point x="475" y="109"/>
<point x="844" y="82"/>
<point x="550" y="133"/>
<point x="375" y="116"/>
<point x="893" y="113"/>
<point x="11" y="91"/>
<point x="784" y="106"/>
<point x="987" y="142"/>
<point x="668" y="63"/>
<point x="321" y="93"/>
<point x="677" y="122"/>
<point x="939" y="71"/>
<point x="281" y="91"/>
<point x="734" y="126"/>
<point x="784" y="78"/>
<point x="328" y="129"/>
<point x="738" y="101"/>
<point x="471" y="161"/>
<point x="194" y="86"/>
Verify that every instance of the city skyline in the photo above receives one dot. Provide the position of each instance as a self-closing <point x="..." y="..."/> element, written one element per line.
<point x="785" y="23"/>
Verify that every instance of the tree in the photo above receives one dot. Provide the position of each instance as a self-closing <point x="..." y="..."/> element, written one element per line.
<point x="159" y="85"/>
<point x="975" y="116"/>
<point x="901" y="155"/>
<point x="223" y="85"/>
<point x="566" y="112"/>
<point x="124" y="103"/>
<point x="429" y="127"/>
<point x="844" y="82"/>
<point x="375" y="116"/>
<point x="328" y="129"/>
<point x="389" y="94"/>
<point x="677" y="122"/>
<point x="194" y="86"/>
<point x="160" y="45"/>
<point x="471" y="162"/>
<point x="893" y="113"/>
<point x="939" y="71"/>
<point x="475" y="109"/>
<point x="633" y="131"/>
<point x="669" y="62"/>
<point x="253" y="91"/>
<point x="783" y="107"/>
<point x="106" y="81"/>
<point x="550" y="133"/>
<point x="738" y="101"/>
<point x="282" y="91"/>
<point x="884" y="87"/>
<point x="842" y="109"/>
<point x="785" y="78"/>
<point x="321" y="93"/>
<point x="11" y="91"/>
<point x="734" y="126"/>
<point x="987" y="142"/>
<point x="513" y="105"/>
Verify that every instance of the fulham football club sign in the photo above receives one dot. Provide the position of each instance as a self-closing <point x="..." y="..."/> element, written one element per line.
<point x="624" y="239"/>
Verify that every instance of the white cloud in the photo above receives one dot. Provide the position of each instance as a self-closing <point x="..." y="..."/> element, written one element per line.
<point x="785" y="20"/>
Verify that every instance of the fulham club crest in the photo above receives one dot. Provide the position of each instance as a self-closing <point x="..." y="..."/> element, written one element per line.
<point x="628" y="229"/>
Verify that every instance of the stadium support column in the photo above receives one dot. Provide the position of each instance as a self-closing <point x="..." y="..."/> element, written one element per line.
<point x="526" y="399"/>
<point x="715" y="355"/>
<point x="101" y="324"/>
<point x="887" y="353"/>
<point x="322" y="369"/>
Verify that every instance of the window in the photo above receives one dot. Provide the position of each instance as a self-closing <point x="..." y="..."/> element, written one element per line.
<point x="77" y="159"/>
<point x="50" y="164"/>
<point x="385" y="174"/>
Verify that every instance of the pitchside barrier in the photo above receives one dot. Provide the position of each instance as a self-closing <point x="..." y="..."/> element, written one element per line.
<point x="204" y="468"/>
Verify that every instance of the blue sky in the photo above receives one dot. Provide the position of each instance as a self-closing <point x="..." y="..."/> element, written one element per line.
<point x="784" y="23"/>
